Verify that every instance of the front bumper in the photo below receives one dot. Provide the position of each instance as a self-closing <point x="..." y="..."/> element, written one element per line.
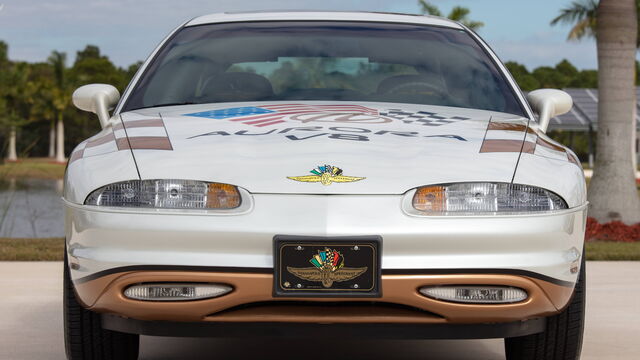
<point x="101" y="239"/>
<point x="110" y="249"/>
<point x="252" y="301"/>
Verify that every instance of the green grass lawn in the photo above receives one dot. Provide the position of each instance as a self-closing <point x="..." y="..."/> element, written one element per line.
<point x="41" y="168"/>
<point x="52" y="250"/>
<point x="617" y="251"/>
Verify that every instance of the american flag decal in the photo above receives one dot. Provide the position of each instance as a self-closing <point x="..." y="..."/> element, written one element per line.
<point x="266" y="115"/>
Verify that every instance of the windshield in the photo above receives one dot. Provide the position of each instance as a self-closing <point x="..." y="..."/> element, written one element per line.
<point x="337" y="61"/>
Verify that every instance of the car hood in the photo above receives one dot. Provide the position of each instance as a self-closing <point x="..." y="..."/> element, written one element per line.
<point x="365" y="148"/>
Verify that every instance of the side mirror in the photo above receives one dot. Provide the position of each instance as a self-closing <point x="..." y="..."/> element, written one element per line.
<point x="98" y="99"/>
<point x="549" y="103"/>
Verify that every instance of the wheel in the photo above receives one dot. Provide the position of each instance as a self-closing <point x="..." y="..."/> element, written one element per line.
<point x="562" y="338"/>
<point x="84" y="337"/>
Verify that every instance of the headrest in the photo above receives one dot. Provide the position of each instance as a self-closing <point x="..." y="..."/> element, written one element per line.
<point x="236" y="86"/>
<point x="394" y="81"/>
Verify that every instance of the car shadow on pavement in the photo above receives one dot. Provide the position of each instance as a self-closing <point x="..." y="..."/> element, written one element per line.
<point x="157" y="348"/>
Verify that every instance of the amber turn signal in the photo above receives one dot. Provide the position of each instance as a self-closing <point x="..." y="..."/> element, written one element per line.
<point x="430" y="199"/>
<point x="222" y="196"/>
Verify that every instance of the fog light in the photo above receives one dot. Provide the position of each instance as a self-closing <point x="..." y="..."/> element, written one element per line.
<point x="475" y="294"/>
<point x="175" y="292"/>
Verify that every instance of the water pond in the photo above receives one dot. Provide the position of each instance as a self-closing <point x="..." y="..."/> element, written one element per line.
<point x="31" y="208"/>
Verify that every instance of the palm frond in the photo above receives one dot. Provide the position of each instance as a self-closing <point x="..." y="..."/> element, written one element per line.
<point x="428" y="8"/>
<point x="582" y="15"/>
<point x="577" y="11"/>
<point x="584" y="28"/>
<point x="458" y="13"/>
<point x="58" y="61"/>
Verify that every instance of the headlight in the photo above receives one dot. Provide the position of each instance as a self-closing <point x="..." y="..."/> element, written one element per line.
<point x="483" y="198"/>
<point x="167" y="194"/>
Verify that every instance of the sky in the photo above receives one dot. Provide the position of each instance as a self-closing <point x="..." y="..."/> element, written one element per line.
<point x="128" y="30"/>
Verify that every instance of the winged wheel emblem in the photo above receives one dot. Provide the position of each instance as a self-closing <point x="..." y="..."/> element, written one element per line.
<point x="328" y="267"/>
<point x="326" y="175"/>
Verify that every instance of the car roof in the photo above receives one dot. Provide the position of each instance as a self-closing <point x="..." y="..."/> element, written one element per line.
<point x="322" y="16"/>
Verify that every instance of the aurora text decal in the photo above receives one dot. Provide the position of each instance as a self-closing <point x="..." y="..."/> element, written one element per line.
<point x="333" y="132"/>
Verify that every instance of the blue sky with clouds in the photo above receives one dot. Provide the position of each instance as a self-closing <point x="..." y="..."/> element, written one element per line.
<point x="128" y="30"/>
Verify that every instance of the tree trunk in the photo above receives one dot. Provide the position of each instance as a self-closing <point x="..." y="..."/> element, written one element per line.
<point x="612" y="191"/>
<point x="634" y="162"/>
<point x="60" y="140"/>
<point x="52" y="139"/>
<point x="12" y="155"/>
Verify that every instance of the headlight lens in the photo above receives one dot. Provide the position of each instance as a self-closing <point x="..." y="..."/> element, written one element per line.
<point x="167" y="194"/>
<point x="478" y="198"/>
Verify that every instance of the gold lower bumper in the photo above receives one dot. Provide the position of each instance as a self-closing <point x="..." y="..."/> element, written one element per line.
<point x="252" y="300"/>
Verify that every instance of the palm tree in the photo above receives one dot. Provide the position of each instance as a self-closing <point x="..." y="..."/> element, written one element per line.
<point x="458" y="13"/>
<point x="15" y="80"/>
<point x="612" y="190"/>
<point x="43" y="111"/>
<point x="61" y="98"/>
<point x="582" y="15"/>
<point x="614" y="24"/>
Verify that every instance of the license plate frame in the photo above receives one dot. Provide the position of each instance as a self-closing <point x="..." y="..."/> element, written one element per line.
<point x="294" y="254"/>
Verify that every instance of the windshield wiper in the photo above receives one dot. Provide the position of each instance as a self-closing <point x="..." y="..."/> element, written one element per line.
<point x="167" y="104"/>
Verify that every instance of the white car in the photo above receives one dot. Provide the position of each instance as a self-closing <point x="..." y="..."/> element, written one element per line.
<point x="375" y="175"/>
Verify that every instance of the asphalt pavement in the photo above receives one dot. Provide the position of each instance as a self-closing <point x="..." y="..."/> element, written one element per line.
<point x="31" y="325"/>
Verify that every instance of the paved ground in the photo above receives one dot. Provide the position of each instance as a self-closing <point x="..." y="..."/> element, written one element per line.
<point x="30" y="325"/>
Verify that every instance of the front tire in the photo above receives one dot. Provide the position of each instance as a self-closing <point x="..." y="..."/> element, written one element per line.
<point x="84" y="337"/>
<point x="562" y="338"/>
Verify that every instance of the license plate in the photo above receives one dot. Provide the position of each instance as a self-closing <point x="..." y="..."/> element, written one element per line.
<point x="327" y="267"/>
